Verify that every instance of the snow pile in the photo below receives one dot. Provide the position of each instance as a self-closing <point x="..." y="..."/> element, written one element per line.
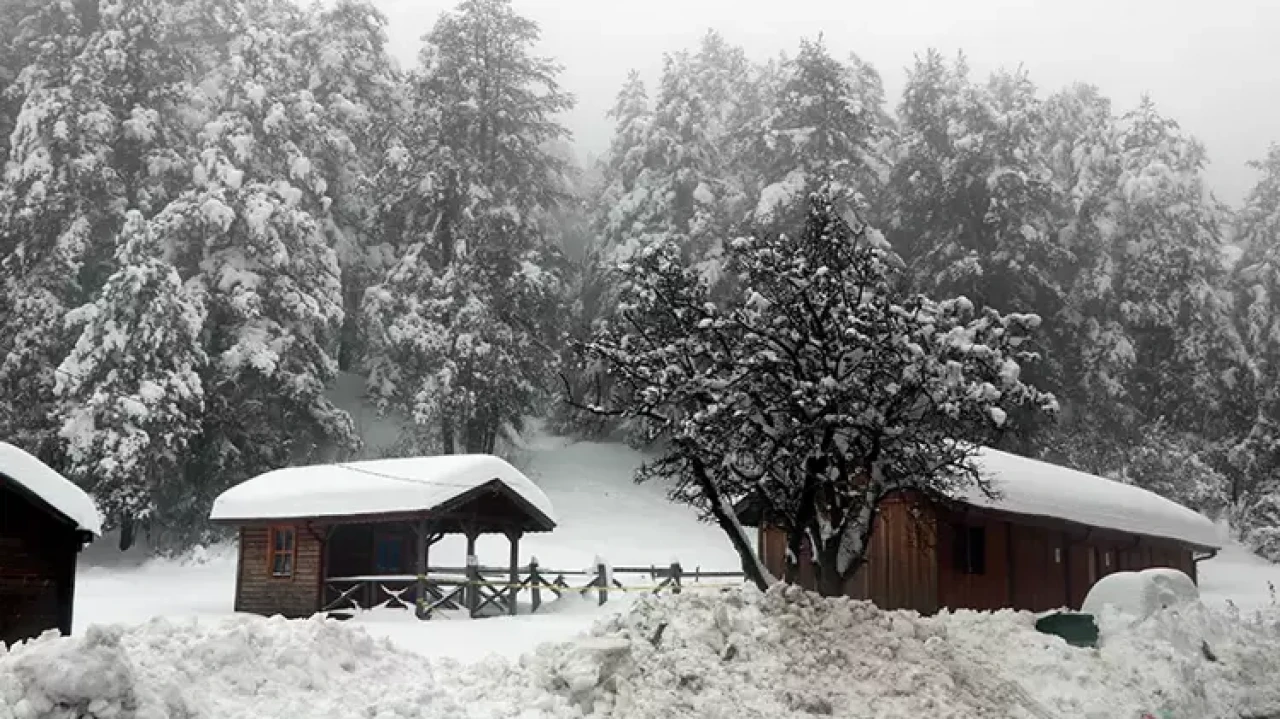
<point x="734" y="654"/>
<point x="249" y="668"/>
<point x="1140" y="594"/>
<point x="789" y="653"/>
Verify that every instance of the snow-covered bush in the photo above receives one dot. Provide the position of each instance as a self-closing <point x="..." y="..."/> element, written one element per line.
<point x="1259" y="521"/>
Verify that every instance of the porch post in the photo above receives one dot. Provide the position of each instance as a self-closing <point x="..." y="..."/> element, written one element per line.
<point x="513" y="590"/>
<point x="422" y="569"/>
<point x="472" y="592"/>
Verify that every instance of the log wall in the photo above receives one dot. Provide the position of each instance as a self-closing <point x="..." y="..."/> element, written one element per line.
<point x="258" y="592"/>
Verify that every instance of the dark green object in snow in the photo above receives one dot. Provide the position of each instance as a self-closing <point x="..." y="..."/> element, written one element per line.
<point x="1078" y="629"/>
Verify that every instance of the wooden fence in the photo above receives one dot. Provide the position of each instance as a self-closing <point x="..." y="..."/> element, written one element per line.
<point x="493" y="591"/>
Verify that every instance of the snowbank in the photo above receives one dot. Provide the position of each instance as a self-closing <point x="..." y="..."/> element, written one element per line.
<point x="55" y="490"/>
<point x="248" y="668"/>
<point x="789" y="653"/>
<point x="733" y="654"/>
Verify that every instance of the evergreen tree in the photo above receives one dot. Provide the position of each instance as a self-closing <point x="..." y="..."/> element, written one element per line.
<point x="1257" y="289"/>
<point x="131" y="387"/>
<point x="825" y="130"/>
<point x="1169" y="275"/>
<point x="479" y="282"/>
<point x="976" y="209"/>
<point x="102" y="128"/>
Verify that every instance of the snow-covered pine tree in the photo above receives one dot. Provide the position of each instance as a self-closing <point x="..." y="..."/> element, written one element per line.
<point x="976" y="211"/>
<point x="102" y="128"/>
<point x="251" y="235"/>
<point x="61" y="203"/>
<point x="823" y="390"/>
<point x="1256" y="283"/>
<point x="825" y="129"/>
<point x="1170" y="276"/>
<point x="479" y="282"/>
<point x="131" y="387"/>
<point x="345" y="66"/>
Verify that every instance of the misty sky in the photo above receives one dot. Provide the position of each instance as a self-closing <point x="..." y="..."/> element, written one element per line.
<point x="1212" y="65"/>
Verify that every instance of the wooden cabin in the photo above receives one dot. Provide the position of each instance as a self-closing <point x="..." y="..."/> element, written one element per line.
<point x="45" y="521"/>
<point x="1039" y="544"/>
<point x="325" y="537"/>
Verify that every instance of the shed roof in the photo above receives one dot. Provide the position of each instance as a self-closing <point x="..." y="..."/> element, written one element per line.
<point x="42" y="481"/>
<point x="1031" y="487"/>
<point x="377" y="487"/>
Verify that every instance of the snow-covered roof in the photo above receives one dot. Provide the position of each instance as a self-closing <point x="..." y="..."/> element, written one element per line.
<point x="52" y="488"/>
<point x="383" y="486"/>
<point x="1028" y="486"/>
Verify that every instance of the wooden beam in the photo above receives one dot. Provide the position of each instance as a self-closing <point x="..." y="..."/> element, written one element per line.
<point x="422" y="532"/>
<point x="514" y="589"/>
<point x="472" y="594"/>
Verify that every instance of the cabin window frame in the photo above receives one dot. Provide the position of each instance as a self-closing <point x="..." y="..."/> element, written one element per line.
<point x="289" y="553"/>
<point x="970" y="557"/>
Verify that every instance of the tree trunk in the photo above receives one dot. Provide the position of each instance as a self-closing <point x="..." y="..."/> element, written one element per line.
<point x="127" y="530"/>
<point x="830" y="582"/>
<point x="446" y="435"/>
<point x="751" y="564"/>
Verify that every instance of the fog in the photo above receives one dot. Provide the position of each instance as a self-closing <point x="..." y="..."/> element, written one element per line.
<point x="1212" y="66"/>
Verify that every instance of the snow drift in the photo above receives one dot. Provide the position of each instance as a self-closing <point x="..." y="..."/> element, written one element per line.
<point x="732" y="654"/>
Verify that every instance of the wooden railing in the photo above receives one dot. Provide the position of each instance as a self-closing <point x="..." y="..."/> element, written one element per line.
<point x="490" y="591"/>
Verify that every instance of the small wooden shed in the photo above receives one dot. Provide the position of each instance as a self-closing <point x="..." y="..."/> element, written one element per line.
<point x="1040" y="544"/>
<point x="45" y="521"/>
<point x="325" y="537"/>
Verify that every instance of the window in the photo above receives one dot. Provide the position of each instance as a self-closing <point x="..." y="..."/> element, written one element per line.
<point x="281" y="551"/>
<point x="971" y="550"/>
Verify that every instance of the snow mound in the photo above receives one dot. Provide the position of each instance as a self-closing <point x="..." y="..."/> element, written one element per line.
<point x="248" y="668"/>
<point x="1140" y="594"/>
<point x="790" y="653"/>
<point x="733" y="654"/>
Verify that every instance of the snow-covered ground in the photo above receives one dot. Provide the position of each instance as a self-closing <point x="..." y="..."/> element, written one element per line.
<point x="720" y="655"/>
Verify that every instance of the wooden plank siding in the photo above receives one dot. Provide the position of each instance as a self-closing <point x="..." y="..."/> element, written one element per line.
<point x="900" y="572"/>
<point x="901" y="569"/>
<point x="1028" y="563"/>
<point x="38" y="551"/>
<point x="958" y="589"/>
<point x="258" y="592"/>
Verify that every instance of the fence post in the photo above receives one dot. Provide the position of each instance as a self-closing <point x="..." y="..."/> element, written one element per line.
<point x="602" y="576"/>
<point x="675" y="577"/>
<point x="535" y="584"/>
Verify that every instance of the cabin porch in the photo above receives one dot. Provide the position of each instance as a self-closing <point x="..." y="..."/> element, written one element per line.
<point x="387" y="564"/>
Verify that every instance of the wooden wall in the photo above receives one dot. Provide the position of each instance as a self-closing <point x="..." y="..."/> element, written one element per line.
<point x="1033" y="564"/>
<point x="957" y="589"/>
<point x="37" y="567"/>
<point x="257" y="592"/>
<point x="901" y="569"/>
<point x="900" y="572"/>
